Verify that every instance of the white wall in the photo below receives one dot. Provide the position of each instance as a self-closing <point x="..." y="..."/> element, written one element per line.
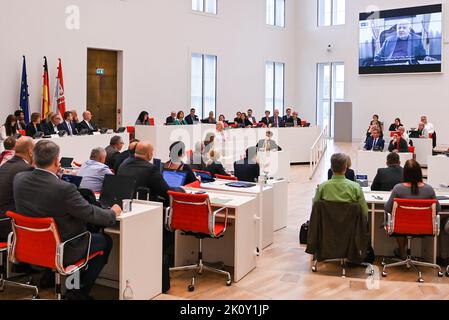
<point x="156" y="37"/>
<point x="406" y="96"/>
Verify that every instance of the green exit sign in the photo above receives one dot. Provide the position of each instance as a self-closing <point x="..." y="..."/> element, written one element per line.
<point x="100" y="71"/>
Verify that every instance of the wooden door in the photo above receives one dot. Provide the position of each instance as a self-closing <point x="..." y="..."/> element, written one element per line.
<point x="102" y="87"/>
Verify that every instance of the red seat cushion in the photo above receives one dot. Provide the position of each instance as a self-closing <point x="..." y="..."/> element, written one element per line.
<point x="219" y="229"/>
<point x="82" y="261"/>
<point x="3" y="246"/>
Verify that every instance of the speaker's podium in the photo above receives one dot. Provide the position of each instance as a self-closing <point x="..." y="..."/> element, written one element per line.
<point x="343" y="122"/>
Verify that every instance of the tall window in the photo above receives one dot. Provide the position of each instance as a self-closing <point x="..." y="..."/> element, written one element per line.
<point x="331" y="12"/>
<point x="204" y="84"/>
<point x="276" y="13"/>
<point x="207" y="6"/>
<point x="274" y="86"/>
<point x="330" y="89"/>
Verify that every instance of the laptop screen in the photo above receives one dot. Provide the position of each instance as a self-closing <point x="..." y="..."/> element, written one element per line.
<point x="116" y="189"/>
<point x="205" y="176"/>
<point x="76" y="180"/>
<point x="175" y="179"/>
<point x="66" y="162"/>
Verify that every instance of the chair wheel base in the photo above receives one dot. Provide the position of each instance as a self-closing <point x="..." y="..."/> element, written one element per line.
<point x="447" y="273"/>
<point x="314" y="269"/>
<point x="421" y="280"/>
<point x="229" y="283"/>
<point x="36" y="297"/>
<point x="440" y="274"/>
<point x="372" y="273"/>
<point x="191" y="288"/>
<point x="384" y="274"/>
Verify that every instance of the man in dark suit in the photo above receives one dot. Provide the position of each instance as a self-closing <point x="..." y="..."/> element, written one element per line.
<point x="148" y="176"/>
<point x="267" y="119"/>
<point x="248" y="169"/>
<point x="276" y="120"/>
<point x="20" y="115"/>
<point x="171" y="120"/>
<point x="62" y="201"/>
<point x="288" y="118"/>
<point x="125" y="155"/>
<point x="113" y="150"/>
<point x="398" y="144"/>
<point x="68" y="125"/>
<point x="192" y="117"/>
<point x="268" y="144"/>
<point x="375" y="142"/>
<point x="387" y="178"/>
<point x="87" y="123"/>
<point x="21" y="162"/>
<point x="52" y="127"/>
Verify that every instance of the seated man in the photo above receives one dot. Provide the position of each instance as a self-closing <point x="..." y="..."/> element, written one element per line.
<point x="52" y="126"/>
<point x="268" y="144"/>
<point x="113" y="150"/>
<point x="288" y="118"/>
<point x="398" y="144"/>
<point x="41" y="193"/>
<point x="21" y="162"/>
<point x="124" y="156"/>
<point x="68" y="124"/>
<point x="210" y="119"/>
<point x="171" y="120"/>
<point x="94" y="170"/>
<point x="8" y="154"/>
<point x="248" y="169"/>
<point x="340" y="189"/>
<point x="267" y="119"/>
<point x="214" y="165"/>
<point x="387" y="178"/>
<point x="276" y="120"/>
<point x="350" y="174"/>
<point x="375" y="142"/>
<point x="198" y="159"/>
<point x="87" y="123"/>
<point x="297" y="122"/>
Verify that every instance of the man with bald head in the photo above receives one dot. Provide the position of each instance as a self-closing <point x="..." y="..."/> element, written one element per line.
<point x="87" y="123"/>
<point x="22" y="161"/>
<point x="403" y="45"/>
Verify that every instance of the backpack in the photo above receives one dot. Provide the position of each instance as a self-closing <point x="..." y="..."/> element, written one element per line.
<point x="303" y="233"/>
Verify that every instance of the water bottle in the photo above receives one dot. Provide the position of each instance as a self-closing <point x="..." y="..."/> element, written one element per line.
<point x="128" y="294"/>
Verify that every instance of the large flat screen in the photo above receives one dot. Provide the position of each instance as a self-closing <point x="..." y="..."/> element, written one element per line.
<point x="404" y="40"/>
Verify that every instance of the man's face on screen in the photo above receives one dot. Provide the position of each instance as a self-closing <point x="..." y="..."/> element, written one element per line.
<point x="403" y="30"/>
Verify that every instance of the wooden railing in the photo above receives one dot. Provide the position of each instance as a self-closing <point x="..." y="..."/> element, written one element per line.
<point x="318" y="150"/>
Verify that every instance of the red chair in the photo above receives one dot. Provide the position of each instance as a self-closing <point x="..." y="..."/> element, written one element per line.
<point x="152" y="122"/>
<point x="413" y="218"/>
<point x="22" y="132"/>
<point x="303" y="123"/>
<point x="411" y="149"/>
<point x="194" y="185"/>
<point x="189" y="154"/>
<point x="36" y="241"/>
<point x="77" y="164"/>
<point x="131" y="129"/>
<point x="231" y="178"/>
<point x="192" y="215"/>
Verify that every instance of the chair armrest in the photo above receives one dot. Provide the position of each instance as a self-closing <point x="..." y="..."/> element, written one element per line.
<point x="389" y="224"/>
<point x="437" y="226"/>
<point x="60" y="254"/>
<point x="226" y="216"/>
<point x="167" y="219"/>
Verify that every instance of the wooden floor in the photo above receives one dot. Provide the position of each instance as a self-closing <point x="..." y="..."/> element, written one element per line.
<point x="283" y="270"/>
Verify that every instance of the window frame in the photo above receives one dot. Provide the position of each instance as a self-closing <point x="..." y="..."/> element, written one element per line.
<point x="203" y="77"/>
<point x="275" y="25"/>
<point x="203" y="12"/>
<point x="273" y="107"/>
<point x="332" y="15"/>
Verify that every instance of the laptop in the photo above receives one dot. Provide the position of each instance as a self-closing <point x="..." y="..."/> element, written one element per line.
<point x="66" y="163"/>
<point x="158" y="164"/>
<point x="362" y="180"/>
<point x="175" y="179"/>
<point x="76" y="180"/>
<point x="241" y="184"/>
<point x="121" y="130"/>
<point x="205" y="176"/>
<point x="414" y="134"/>
<point x="115" y="190"/>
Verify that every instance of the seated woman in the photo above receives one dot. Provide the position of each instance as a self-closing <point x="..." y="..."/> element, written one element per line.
<point x="350" y="174"/>
<point x="398" y="144"/>
<point x="213" y="165"/>
<point x="177" y="152"/>
<point x="180" y="121"/>
<point x="375" y="123"/>
<point x="223" y="119"/>
<point x="143" y="120"/>
<point x="395" y="126"/>
<point x="412" y="188"/>
<point x="34" y="126"/>
<point x="244" y="122"/>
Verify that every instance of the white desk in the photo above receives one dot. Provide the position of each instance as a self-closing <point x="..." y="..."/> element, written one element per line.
<point x="268" y="205"/>
<point x="296" y="141"/>
<point x="423" y="149"/>
<point x="280" y="196"/>
<point x="80" y="147"/>
<point x="237" y="248"/>
<point x="136" y="254"/>
<point x="438" y="171"/>
<point x="369" y="161"/>
<point x="384" y="245"/>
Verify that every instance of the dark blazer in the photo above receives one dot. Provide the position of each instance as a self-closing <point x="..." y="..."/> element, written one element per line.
<point x="387" y="178"/>
<point x="83" y="125"/>
<point x="370" y="141"/>
<point x="21" y="125"/>
<point x="403" y="146"/>
<point x="111" y="156"/>
<point x="31" y="130"/>
<point x="350" y="174"/>
<point x="266" y="121"/>
<point x="170" y="120"/>
<point x="48" y="129"/>
<point x="7" y="173"/>
<point x="286" y="119"/>
<point x="216" y="168"/>
<point x="298" y="122"/>
<point x="62" y="201"/>
<point x="415" y="48"/>
<point x="394" y="127"/>
<point x="280" y="122"/>
<point x="189" y="119"/>
<point x="63" y="126"/>
<point x="119" y="158"/>
<point x="273" y="145"/>
<point x="245" y="171"/>
<point x="147" y="175"/>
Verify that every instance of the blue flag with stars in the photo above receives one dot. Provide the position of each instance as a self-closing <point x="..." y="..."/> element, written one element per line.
<point x="24" y="96"/>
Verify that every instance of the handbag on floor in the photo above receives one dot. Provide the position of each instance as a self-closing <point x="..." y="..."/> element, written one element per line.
<point x="303" y="233"/>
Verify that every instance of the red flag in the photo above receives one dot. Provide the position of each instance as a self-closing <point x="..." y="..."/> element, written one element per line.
<point x="46" y="97"/>
<point x="59" y="91"/>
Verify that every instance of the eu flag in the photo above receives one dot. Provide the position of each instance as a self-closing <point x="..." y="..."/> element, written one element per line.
<point x="24" y="96"/>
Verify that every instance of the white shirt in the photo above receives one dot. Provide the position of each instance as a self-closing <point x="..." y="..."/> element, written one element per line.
<point x="429" y="127"/>
<point x="89" y="125"/>
<point x="69" y="126"/>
